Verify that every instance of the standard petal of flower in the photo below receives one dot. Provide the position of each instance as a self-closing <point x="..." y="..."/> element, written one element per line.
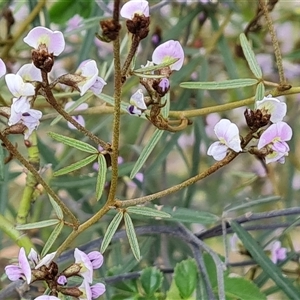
<point x="267" y="136"/>
<point x="24" y="265"/>
<point x="217" y="150"/>
<point x="2" y="68"/>
<point x="29" y="72"/>
<point x="169" y="50"/>
<point x="88" y="69"/>
<point x="221" y="128"/>
<point x="54" y="40"/>
<point x="284" y="131"/>
<point x="18" y="87"/>
<point x="130" y="8"/>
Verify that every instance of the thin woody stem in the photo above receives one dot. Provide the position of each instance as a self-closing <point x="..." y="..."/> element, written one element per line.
<point x="275" y="43"/>
<point x="133" y="48"/>
<point x="215" y="167"/>
<point x="10" y="147"/>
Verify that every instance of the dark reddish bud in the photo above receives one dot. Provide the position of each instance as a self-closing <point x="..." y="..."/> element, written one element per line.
<point x="42" y="59"/>
<point x="139" y="25"/>
<point x="110" y="29"/>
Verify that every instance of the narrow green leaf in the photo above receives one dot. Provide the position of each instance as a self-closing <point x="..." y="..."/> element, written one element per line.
<point x="146" y="152"/>
<point x="155" y="76"/>
<point x="185" y="276"/>
<point x="110" y="231"/>
<point x="82" y="146"/>
<point x="242" y="289"/>
<point x="101" y="177"/>
<point x="52" y="238"/>
<point x="40" y="224"/>
<point x="76" y="166"/>
<point x="56" y="208"/>
<point x="186" y="215"/>
<point x="260" y="91"/>
<point x="151" y="280"/>
<point x="251" y="203"/>
<point x="220" y="85"/>
<point x="250" y="56"/>
<point x="258" y="254"/>
<point x="147" y="211"/>
<point x="166" y="63"/>
<point x="134" y="245"/>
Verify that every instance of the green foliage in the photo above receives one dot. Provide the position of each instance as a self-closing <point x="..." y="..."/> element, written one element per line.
<point x="151" y="280"/>
<point x="101" y="177"/>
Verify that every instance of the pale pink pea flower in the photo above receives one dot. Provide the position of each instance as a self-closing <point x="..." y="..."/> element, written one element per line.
<point x="22" y="270"/>
<point x="272" y="106"/>
<point x="91" y="292"/>
<point x="169" y="50"/>
<point x="277" y="252"/>
<point x="29" y="72"/>
<point x="78" y="118"/>
<point x="229" y="138"/>
<point x="2" y="68"/>
<point x="18" y="87"/>
<point x="54" y="40"/>
<point x="89" y="71"/>
<point x="274" y="138"/>
<point x="130" y="8"/>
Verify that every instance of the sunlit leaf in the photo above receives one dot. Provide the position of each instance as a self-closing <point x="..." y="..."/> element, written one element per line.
<point x="101" y="177"/>
<point x="56" y="208"/>
<point x="76" y="166"/>
<point x="260" y="91"/>
<point x="110" y="231"/>
<point x="52" y="238"/>
<point x="220" y="85"/>
<point x="147" y="211"/>
<point x="146" y="151"/>
<point x="151" y="280"/>
<point x="250" y="56"/>
<point x="82" y="146"/>
<point x="40" y="224"/>
<point x="134" y="245"/>
<point x="185" y="276"/>
<point x="259" y="255"/>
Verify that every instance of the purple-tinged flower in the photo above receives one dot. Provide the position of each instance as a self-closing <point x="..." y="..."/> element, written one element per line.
<point x="85" y="264"/>
<point x="36" y="260"/>
<point x="89" y="71"/>
<point x="62" y="280"/>
<point x="96" y="259"/>
<point x="78" y="118"/>
<point x="18" y="87"/>
<point x="21" y="112"/>
<point x="29" y="72"/>
<point x="46" y="297"/>
<point x="277" y="252"/>
<point x="23" y="269"/>
<point x="91" y="292"/>
<point x="54" y="40"/>
<point x="130" y="8"/>
<point x="97" y="87"/>
<point x="229" y="138"/>
<point x="2" y="68"/>
<point x="169" y="50"/>
<point x="137" y="99"/>
<point x="74" y="23"/>
<point x="272" y="106"/>
<point x="164" y="84"/>
<point x="133" y="110"/>
<point x="274" y="139"/>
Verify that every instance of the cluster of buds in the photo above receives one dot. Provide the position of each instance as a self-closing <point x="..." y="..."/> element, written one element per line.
<point x="32" y="269"/>
<point x="32" y="79"/>
<point x="266" y="120"/>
